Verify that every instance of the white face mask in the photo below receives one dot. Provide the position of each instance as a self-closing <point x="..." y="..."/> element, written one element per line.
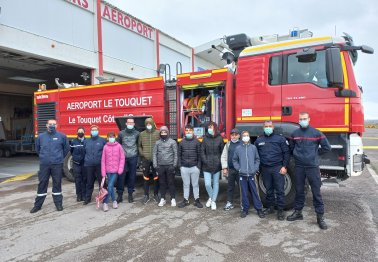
<point x="246" y="139"/>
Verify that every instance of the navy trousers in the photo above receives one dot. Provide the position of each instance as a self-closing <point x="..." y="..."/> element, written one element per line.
<point x="313" y="177"/>
<point x="56" y="173"/>
<point x="80" y="179"/>
<point x="274" y="183"/>
<point x="93" y="173"/>
<point x="248" y="184"/>
<point x="128" y="176"/>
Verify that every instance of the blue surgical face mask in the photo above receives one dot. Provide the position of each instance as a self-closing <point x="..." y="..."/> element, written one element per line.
<point x="51" y="128"/>
<point x="111" y="139"/>
<point x="234" y="140"/>
<point x="149" y="127"/>
<point x="210" y="131"/>
<point x="268" y="131"/>
<point x="303" y="123"/>
<point x="189" y="136"/>
<point x="94" y="133"/>
<point x="130" y="126"/>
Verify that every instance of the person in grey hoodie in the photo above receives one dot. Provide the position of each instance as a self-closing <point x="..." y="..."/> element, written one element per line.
<point x="164" y="158"/>
<point x="246" y="160"/>
<point x="128" y="138"/>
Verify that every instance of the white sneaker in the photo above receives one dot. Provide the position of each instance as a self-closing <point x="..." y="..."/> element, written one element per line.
<point x="173" y="202"/>
<point x="162" y="202"/>
<point x="208" y="203"/>
<point x="115" y="204"/>
<point x="213" y="205"/>
<point x="105" y="207"/>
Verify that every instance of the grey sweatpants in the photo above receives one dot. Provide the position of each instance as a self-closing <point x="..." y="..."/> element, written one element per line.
<point x="187" y="174"/>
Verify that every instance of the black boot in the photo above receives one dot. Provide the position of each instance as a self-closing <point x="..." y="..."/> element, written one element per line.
<point x="197" y="203"/>
<point x="184" y="203"/>
<point x="35" y="209"/>
<point x="260" y="213"/>
<point x="130" y="198"/>
<point x="119" y="197"/>
<point x="79" y="199"/>
<point x="297" y="215"/>
<point x="280" y="215"/>
<point x="269" y="210"/>
<point x="320" y="219"/>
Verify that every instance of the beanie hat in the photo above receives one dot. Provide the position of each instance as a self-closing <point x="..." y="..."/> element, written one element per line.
<point x="164" y="128"/>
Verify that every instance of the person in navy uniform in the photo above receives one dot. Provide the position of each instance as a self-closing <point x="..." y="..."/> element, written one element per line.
<point x="306" y="144"/>
<point x="93" y="147"/>
<point x="78" y="154"/>
<point x="52" y="147"/>
<point x="274" y="155"/>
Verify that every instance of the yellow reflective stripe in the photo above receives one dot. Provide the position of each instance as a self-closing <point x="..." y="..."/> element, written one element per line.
<point x="286" y="43"/>
<point x="101" y="85"/>
<point x="346" y="86"/>
<point x="219" y="70"/>
<point x="183" y="75"/>
<point x="260" y="118"/>
<point x="200" y="76"/>
<point x="332" y="129"/>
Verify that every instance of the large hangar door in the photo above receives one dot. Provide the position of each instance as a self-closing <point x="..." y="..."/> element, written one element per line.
<point x="20" y="76"/>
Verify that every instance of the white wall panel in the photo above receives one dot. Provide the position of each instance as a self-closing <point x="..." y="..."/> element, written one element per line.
<point x="58" y="20"/>
<point x="171" y="57"/>
<point x="125" y="45"/>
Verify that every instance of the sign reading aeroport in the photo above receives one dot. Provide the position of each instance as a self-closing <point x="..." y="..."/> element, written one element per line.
<point x="118" y="17"/>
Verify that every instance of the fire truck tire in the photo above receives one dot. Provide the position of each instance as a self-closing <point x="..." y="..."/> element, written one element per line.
<point x="67" y="168"/>
<point x="7" y="153"/>
<point x="289" y="188"/>
<point x="1" y="153"/>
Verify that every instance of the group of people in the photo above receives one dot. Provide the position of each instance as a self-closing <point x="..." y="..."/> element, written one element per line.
<point x="160" y="156"/>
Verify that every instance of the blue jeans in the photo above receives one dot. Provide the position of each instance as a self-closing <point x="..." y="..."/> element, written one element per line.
<point x="111" y="180"/>
<point x="212" y="190"/>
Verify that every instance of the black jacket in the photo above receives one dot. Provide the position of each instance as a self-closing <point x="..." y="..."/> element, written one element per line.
<point x="52" y="148"/>
<point x="189" y="153"/>
<point x="273" y="150"/>
<point x="77" y="150"/>
<point x="304" y="144"/>
<point x="211" y="151"/>
<point x="93" y="150"/>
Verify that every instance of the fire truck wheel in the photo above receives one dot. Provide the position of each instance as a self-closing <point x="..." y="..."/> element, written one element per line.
<point x="7" y="153"/>
<point x="67" y="168"/>
<point x="289" y="188"/>
<point x="1" y="153"/>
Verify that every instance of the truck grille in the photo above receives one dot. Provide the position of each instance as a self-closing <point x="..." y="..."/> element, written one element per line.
<point x="45" y="111"/>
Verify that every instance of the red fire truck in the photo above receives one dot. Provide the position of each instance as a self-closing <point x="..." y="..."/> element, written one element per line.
<point x="274" y="80"/>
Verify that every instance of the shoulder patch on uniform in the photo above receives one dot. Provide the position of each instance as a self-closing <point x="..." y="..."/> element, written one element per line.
<point x="55" y="138"/>
<point x="261" y="144"/>
<point x="287" y="142"/>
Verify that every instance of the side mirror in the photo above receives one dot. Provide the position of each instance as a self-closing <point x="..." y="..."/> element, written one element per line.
<point x="367" y="49"/>
<point x="307" y="55"/>
<point x="334" y="69"/>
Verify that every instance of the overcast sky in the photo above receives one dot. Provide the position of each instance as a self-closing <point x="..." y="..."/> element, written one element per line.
<point x="195" y="22"/>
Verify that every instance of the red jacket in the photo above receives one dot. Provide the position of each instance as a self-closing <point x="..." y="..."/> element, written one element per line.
<point x="113" y="159"/>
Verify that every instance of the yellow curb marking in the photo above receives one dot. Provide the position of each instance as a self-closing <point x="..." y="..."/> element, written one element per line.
<point x="370" y="147"/>
<point x="18" y="177"/>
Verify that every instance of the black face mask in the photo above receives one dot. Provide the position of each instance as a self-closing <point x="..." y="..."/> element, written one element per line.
<point x="163" y="137"/>
<point x="81" y="135"/>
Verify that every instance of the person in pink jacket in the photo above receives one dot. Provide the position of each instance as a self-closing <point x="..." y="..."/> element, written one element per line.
<point x="112" y="164"/>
